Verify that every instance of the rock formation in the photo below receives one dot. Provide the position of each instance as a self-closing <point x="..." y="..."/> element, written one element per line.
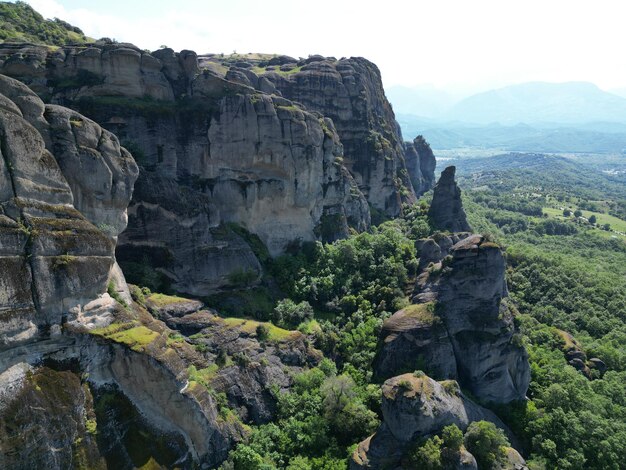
<point x="64" y="187"/>
<point x="350" y="92"/>
<point x="420" y="163"/>
<point x="213" y="152"/>
<point x="365" y="122"/>
<point x="413" y="407"/>
<point x="446" y="211"/>
<point x="460" y="328"/>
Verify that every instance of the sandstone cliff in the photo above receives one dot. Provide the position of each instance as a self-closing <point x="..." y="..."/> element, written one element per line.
<point x="350" y="92"/>
<point x="213" y="152"/>
<point x="64" y="187"/>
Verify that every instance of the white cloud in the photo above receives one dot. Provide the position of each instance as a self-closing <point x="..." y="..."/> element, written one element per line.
<point x="450" y="43"/>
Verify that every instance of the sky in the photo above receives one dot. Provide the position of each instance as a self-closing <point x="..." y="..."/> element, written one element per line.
<point x="461" y="46"/>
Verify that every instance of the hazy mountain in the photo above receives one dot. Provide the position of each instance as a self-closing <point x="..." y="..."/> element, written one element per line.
<point x="422" y="100"/>
<point x="597" y="137"/>
<point x="538" y="102"/>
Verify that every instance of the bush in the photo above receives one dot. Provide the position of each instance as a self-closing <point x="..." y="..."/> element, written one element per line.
<point x="486" y="442"/>
<point x="262" y="332"/>
<point x="287" y="313"/>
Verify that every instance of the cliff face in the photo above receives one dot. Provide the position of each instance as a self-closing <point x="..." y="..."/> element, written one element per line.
<point x="350" y="92"/>
<point x="460" y="326"/>
<point x="222" y="152"/>
<point x="463" y="331"/>
<point x="64" y="187"/>
<point x="420" y="163"/>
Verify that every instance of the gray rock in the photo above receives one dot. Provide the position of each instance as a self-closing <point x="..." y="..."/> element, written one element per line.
<point x="460" y="328"/>
<point x="415" y="407"/>
<point x="420" y="163"/>
<point x="446" y="211"/>
<point x="350" y="92"/>
<point x="64" y="222"/>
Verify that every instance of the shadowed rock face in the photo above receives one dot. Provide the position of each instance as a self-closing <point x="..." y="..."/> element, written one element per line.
<point x="460" y="328"/>
<point x="64" y="187"/>
<point x="414" y="407"/>
<point x="420" y="163"/>
<point x="446" y="211"/>
<point x="491" y="361"/>
<point x="222" y="151"/>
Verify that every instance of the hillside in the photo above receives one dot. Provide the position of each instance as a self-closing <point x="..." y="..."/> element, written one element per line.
<point x="538" y="102"/>
<point x="20" y="22"/>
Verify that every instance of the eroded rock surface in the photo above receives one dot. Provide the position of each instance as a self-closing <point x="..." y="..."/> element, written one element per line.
<point x="64" y="187"/>
<point x="414" y="407"/>
<point x="446" y="211"/>
<point x="214" y="150"/>
<point x="459" y="328"/>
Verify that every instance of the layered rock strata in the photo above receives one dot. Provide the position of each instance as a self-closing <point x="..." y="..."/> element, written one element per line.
<point x="214" y="151"/>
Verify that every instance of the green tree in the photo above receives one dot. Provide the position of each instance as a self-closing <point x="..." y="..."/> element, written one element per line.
<point x="486" y="442"/>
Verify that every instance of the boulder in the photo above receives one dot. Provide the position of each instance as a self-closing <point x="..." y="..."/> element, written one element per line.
<point x="459" y="327"/>
<point x="415" y="406"/>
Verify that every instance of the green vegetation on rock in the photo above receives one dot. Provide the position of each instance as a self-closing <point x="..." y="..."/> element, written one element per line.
<point x="20" y="22"/>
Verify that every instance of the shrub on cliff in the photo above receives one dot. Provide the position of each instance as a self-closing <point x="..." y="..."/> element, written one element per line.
<point x="487" y="443"/>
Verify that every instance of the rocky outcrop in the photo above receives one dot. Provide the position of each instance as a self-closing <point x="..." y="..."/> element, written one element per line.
<point x="415" y="406"/>
<point x="460" y="328"/>
<point x="350" y="92"/>
<point x="420" y="163"/>
<point x="213" y="152"/>
<point x="64" y="187"/>
<point x="249" y="366"/>
<point x="446" y="211"/>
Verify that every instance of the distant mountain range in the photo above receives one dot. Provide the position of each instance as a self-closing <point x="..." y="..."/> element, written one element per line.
<point x="530" y="117"/>
<point x="537" y="102"/>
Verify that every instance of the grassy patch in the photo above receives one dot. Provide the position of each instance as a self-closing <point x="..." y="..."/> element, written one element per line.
<point x="202" y="376"/>
<point x="136" y="337"/>
<point x="163" y="300"/>
<point x="250" y="327"/>
<point x="422" y="312"/>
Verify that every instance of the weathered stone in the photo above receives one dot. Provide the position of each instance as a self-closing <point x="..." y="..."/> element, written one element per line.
<point x="420" y="163"/>
<point x="350" y="92"/>
<point x="220" y="152"/>
<point x="66" y="185"/>
<point x="415" y="338"/>
<point x="414" y="407"/>
<point x="446" y="211"/>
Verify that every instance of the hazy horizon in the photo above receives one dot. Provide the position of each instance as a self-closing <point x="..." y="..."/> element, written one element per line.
<point x="454" y="46"/>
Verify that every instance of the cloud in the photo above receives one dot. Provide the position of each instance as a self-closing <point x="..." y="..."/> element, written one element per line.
<point x="449" y="43"/>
